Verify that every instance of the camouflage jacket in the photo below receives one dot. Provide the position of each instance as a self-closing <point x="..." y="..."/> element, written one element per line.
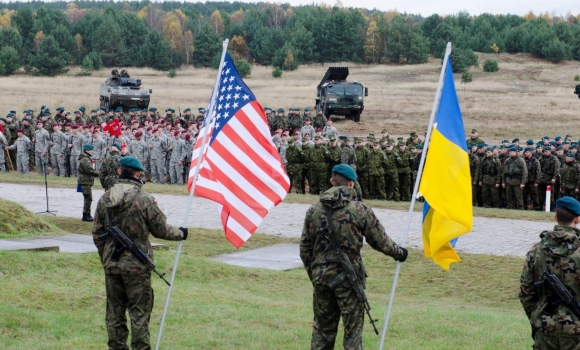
<point x="534" y="170"/>
<point x="109" y="175"/>
<point x="59" y="143"/>
<point x="490" y="171"/>
<point x="77" y="144"/>
<point x="135" y="213"/>
<point x="392" y="162"/>
<point x="474" y="142"/>
<point x="406" y="162"/>
<point x="319" y="121"/>
<point x="560" y="248"/>
<point x="361" y="157"/>
<point x="375" y="163"/>
<point x="333" y="156"/>
<point x="22" y="145"/>
<point x="348" y="156"/>
<point x="515" y="171"/>
<point x="353" y="223"/>
<point x="307" y="129"/>
<point x="41" y="141"/>
<point x="99" y="148"/>
<point x="550" y="167"/>
<point x="158" y="148"/>
<point x="570" y="173"/>
<point x="280" y="122"/>
<point x="294" y="122"/>
<point x="86" y="171"/>
<point x="139" y="149"/>
<point x="317" y="157"/>
<point x="178" y="151"/>
<point x="293" y="158"/>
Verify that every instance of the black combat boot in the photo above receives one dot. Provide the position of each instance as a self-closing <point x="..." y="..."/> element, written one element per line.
<point x="87" y="217"/>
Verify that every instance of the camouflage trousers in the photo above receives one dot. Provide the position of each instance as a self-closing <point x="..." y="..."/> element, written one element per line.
<point x="3" y="161"/>
<point x="515" y="200"/>
<point x="88" y="199"/>
<point x="530" y="194"/>
<point x="295" y="175"/>
<point x="377" y="187"/>
<point x="547" y="342"/>
<point x="404" y="181"/>
<point x="490" y="195"/>
<point x="58" y="165"/>
<point x="305" y="177"/>
<point x="392" y="186"/>
<point x="329" y="305"/>
<point x="571" y="193"/>
<point x="158" y="170"/>
<point x="474" y="195"/>
<point x="176" y="173"/>
<point x="130" y="292"/>
<point x="41" y="163"/>
<point x="363" y="180"/>
<point x="317" y="181"/>
<point x="22" y="163"/>
<point x="74" y="164"/>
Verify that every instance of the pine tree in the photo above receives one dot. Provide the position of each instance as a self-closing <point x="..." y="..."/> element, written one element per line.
<point x="50" y="60"/>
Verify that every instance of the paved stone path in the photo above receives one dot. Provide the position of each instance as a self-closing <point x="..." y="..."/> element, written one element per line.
<point x="489" y="236"/>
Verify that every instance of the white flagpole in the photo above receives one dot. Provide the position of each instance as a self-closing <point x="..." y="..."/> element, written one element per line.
<point x="415" y="190"/>
<point x="210" y="114"/>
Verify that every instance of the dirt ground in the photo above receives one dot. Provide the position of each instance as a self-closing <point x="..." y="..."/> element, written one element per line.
<point x="527" y="98"/>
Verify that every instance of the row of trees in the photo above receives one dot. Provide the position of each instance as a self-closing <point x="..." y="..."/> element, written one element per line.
<point x="45" y="37"/>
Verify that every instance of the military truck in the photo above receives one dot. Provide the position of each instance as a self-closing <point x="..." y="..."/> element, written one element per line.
<point x="120" y="90"/>
<point x="577" y="90"/>
<point x="336" y="96"/>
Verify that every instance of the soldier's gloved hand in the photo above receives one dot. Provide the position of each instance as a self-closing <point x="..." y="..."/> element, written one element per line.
<point x="404" y="256"/>
<point x="185" y="233"/>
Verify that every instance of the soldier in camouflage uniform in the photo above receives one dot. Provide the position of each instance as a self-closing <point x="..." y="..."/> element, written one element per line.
<point x="375" y="162"/>
<point x="294" y="168"/>
<point x="127" y="280"/>
<point x="333" y="157"/>
<point x="553" y="326"/>
<point x="534" y="172"/>
<point x="177" y="157"/>
<point x="515" y="176"/>
<point x="319" y="120"/>
<point x="86" y="179"/>
<point x="474" y="169"/>
<point x="392" y="164"/>
<point x="295" y="121"/>
<point x="317" y="166"/>
<point x="305" y="165"/>
<point x="157" y="150"/>
<point x="490" y="179"/>
<point x="348" y="157"/>
<point x="100" y="149"/>
<point x="474" y="139"/>
<point x="405" y="161"/>
<point x="3" y="145"/>
<point x="570" y="175"/>
<point x="362" y="154"/>
<point x="350" y="223"/>
<point x="280" y="121"/>
<point x="23" y="146"/>
<point x="75" y="146"/>
<point x="109" y="170"/>
<point x="41" y="145"/>
<point x="139" y="149"/>
<point x="550" y="167"/>
<point x="59" y="144"/>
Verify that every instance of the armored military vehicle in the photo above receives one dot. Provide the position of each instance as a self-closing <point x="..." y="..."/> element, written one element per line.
<point x="120" y="90"/>
<point x="336" y="96"/>
<point x="577" y="90"/>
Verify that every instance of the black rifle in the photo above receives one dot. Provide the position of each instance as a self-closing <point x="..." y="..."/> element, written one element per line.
<point x="348" y="271"/>
<point x="123" y="242"/>
<point x="560" y="294"/>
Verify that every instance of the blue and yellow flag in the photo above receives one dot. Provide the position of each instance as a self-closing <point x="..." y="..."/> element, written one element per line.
<point x="446" y="180"/>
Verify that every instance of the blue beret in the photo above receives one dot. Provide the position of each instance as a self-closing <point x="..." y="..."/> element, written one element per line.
<point x="201" y="110"/>
<point x="13" y="111"/>
<point x="513" y="149"/>
<point x="152" y="109"/>
<point x="547" y="148"/>
<point x="88" y="147"/>
<point x="111" y="110"/>
<point x="515" y="140"/>
<point x="568" y="204"/>
<point x="306" y="109"/>
<point x="529" y="149"/>
<point x="280" y="110"/>
<point x="9" y="115"/>
<point x="42" y="107"/>
<point x="419" y="146"/>
<point x="119" y="109"/>
<point x="131" y="162"/>
<point x="559" y="148"/>
<point x="552" y="143"/>
<point x="116" y="145"/>
<point x="489" y="149"/>
<point x="345" y="171"/>
<point x="81" y="108"/>
<point x="545" y="138"/>
<point x="103" y="109"/>
<point x="570" y="154"/>
<point x="60" y="109"/>
<point x="557" y="138"/>
<point x="77" y="112"/>
<point x="2" y="119"/>
<point x="187" y="110"/>
<point x="342" y="137"/>
<point x="530" y="142"/>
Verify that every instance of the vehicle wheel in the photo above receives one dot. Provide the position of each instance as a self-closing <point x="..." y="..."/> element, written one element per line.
<point x="356" y="117"/>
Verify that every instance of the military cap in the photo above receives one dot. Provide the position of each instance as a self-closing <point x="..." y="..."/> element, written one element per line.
<point x="187" y="110"/>
<point x="111" y="110"/>
<point x="342" y="137"/>
<point x="82" y="109"/>
<point x="529" y="149"/>
<point x="201" y="110"/>
<point x="473" y="130"/>
<point x="481" y="145"/>
<point x="547" y="148"/>
<point x="412" y="147"/>
<point x="94" y="110"/>
<point x="345" y="170"/>
<point x="38" y="122"/>
<point x="75" y="126"/>
<point x="413" y="134"/>
<point x="489" y="149"/>
<point x="513" y="149"/>
<point x="9" y="115"/>
<point x="68" y="124"/>
<point x="307" y="135"/>
<point x="280" y="110"/>
<point x="566" y="142"/>
<point x="60" y="109"/>
<point x="119" y="109"/>
<point x="103" y="109"/>
<point x="306" y="119"/>
<point x="42" y="107"/>
<point x="332" y="138"/>
<point x="115" y="144"/>
<point x="12" y="112"/>
<point x="123" y="145"/>
<point x="96" y="131"/>
<point x="552" y="143"/>
<point x="520" y="149"/>
<point x="569" y="204"/>
<point x="400" y="138"/>
<point x="144" y="110"/>
<point x="25" y="120"/>
<point x="384" y="130"/>
<point x="267" y="108"/>
<point x="304" y="139"/>
<point x="319" y="110"/>
<point x="88" y="147"/>
<point x="545" y="138"/>
<point x="77" y="112"/>
<point x="557" y="138"/>
<point x="420" y="146"/>
<point x="559" y="148"/>
<point x="516" y="140"/>
<point x="506" y="141"/>
<point x="569" y="154"/>
<point x="306" y="109"/>
<point x="152" y="109"/>
<point x="318" y="130"/>
<point x="20" y="130"/>
<point x="530" y="142"/>
<point x="3" y="119"/>
<point x="317" y="137"/>
<point x="138" y="134"/>
<point x="297" y="109"/>
<point x="402" y="144"/>
<point x="131" y="162"/>
<point x="574" y="147"/>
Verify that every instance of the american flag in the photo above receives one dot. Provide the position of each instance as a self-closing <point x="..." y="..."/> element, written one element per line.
<point x="241" y="169"/>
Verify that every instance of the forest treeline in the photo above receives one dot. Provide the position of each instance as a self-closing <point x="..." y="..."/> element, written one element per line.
<point x="46" y="37"/>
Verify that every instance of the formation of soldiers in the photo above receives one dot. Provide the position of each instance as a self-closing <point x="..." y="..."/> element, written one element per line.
<point x="516" y="175"/>
<point x="163" y="143"/>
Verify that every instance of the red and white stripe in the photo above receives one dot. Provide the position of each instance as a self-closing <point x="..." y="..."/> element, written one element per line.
<point x="241" y="171"/>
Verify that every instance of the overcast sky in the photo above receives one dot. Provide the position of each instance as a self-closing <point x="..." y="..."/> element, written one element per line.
<point x="474" y="7"/>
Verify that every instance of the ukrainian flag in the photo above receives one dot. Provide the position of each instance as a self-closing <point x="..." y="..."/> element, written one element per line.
<point x="446" y="180"/>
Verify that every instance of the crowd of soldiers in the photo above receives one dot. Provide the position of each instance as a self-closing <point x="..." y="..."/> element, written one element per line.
<point x="517" y="175"/>
<point x="162" y="143"/>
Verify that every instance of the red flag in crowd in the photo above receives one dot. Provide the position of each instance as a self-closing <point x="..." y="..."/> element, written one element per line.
<point x="113" y="128"/>
<point x="240" y="169"/>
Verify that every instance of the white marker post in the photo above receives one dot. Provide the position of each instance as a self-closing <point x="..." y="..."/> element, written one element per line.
<point x="548" y="198"/>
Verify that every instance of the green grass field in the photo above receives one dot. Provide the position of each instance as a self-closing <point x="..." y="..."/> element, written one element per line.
<point x="71" y="182"/>
<point x="56" y="301"/>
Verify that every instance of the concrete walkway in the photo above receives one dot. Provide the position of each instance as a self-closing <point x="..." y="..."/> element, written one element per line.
<point x="489" y="236"/>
